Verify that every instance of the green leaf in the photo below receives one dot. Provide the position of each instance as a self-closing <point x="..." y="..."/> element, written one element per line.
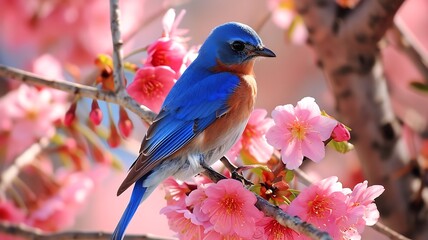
<point x="342" y="147"/>
<point x="247" y="158"/>
<point x="255" y="188"/>
<point x="289" y="176"/>
<point x="419" y="86"/>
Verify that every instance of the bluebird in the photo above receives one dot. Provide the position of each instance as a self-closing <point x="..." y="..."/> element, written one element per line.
<point x="201" y="118"/>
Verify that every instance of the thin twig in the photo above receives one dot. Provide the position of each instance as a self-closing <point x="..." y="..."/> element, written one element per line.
<point x="303" y="177"/>
<point x="79" y="90"/>
<point x="408" y="43"/>
<point x="118" y="76"/>
<point x="262" y="22"/>
<point x="23" y="231"/>
<point x="393" y="235"/>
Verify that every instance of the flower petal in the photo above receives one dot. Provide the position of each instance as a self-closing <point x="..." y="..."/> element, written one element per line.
<point x="313" y="147"/>
<point x="292" y="155"/>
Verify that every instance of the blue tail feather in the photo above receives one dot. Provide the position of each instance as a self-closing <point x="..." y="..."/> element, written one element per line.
<point x="134" y="202"/>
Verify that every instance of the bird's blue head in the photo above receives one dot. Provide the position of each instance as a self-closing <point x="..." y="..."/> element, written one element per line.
<point x="232" y="44"/>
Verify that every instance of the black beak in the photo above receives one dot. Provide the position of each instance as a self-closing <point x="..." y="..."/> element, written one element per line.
<point x="264" y="52"/>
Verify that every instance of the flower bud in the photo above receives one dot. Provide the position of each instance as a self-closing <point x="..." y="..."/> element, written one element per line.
<point x="114" y="139"/>
<point x="340" y="133"/>
<point x="125" y="124"/>
<point x="96" y="115"/>
<point x="70" y="115"/>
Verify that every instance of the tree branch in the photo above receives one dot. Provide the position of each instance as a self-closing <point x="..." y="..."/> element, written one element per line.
<point x="23" y="231"/>
<point x="118" y="76"/>
<point x="79" y="90"/>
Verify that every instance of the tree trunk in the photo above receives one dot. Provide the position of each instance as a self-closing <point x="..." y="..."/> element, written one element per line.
<point x="346" y="45"/>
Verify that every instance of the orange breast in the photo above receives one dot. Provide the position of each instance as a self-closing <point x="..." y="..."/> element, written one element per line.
<point x="241" y="105"/>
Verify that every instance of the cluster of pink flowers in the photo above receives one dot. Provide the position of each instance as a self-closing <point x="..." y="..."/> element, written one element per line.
<point x="30" y="113"/>
<point x="167" y="58"/>
<point x="213" y="211"/>
<point x="47" y="197"/>
<point x="342" y="212"/>
<point x="226" y="210"/>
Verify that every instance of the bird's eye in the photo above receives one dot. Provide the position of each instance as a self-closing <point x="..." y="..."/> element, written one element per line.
<point x="237" y="46"/>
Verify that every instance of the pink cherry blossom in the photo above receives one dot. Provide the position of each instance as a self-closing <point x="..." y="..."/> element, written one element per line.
<point x="273" y="230"/>
<point x="321" y="204"/>
<point x="151" y="85"/>
<point x="28" y="114"/>
<point x="175" y="191"/>
<point x="194" y="201"/>
<point x="340" y="133"/>
<point x="282" y="12"/>
<point x="231" y="209"/>
<point x="183" y="222"/>
<point x="300" y="131"/>
<point x="170" y="24"/>
<point x="253" y="140"/>
<point x="213" y="235"/>
<point x="169" y="50"/>
<point x="166" y="52"/>
<point x="364" y="196"/>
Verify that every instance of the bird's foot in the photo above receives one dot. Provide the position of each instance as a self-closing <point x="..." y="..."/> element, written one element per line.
<point x="236" y="171"/>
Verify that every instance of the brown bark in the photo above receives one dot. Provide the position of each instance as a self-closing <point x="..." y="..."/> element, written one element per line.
<point x="346" y="45"/>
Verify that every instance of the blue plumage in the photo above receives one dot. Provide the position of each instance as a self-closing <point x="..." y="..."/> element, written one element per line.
<point x="134" y="202"/>
<point x="201" y="118"/>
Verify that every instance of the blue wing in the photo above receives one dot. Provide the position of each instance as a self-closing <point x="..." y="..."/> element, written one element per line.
<point x="181" y="120"/>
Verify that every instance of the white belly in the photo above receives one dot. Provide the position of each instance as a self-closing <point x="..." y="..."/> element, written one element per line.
<point x="188" y="166"/>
